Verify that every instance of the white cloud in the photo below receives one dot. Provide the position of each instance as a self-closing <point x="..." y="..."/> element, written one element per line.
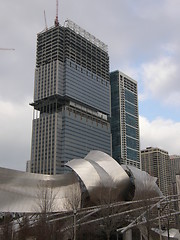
<point x="156" y="75"/>
<point x="170" y="48"/>
<point x="172" y="9"/>
<point x="161" y="133"/>
<point x="15" y="138"/>
<point x="161" y="80"/>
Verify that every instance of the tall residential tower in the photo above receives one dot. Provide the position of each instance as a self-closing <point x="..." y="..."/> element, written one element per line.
<point x="157" y="163"/>
<point x="124" y="119"/>
<point x="71" y="98"/>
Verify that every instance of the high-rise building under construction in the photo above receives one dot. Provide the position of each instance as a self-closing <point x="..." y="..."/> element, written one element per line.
<point x="71" y="98"/>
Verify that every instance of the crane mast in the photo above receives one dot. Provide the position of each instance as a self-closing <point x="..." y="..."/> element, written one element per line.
<point x="56" y="19"/>
<point x="46" y="27"/>
<point x="11" y="49"/>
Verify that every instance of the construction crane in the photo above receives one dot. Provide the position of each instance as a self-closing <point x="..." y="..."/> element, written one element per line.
<point x="56" y="22"/>
<point x="46" y="27"/>
<point x="7" y="49"/>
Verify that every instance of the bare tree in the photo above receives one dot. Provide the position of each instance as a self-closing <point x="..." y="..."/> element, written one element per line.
<point x="45" y="204"/>
<point x="7" y="227"/>
<point x="73" y="197"/>
<point x="46" y="197"/>
<point x="73" y="203"/>
<point x="109" y="223"/>
<point x="24" y="228"/>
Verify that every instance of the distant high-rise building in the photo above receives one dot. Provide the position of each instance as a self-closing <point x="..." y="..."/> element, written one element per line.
<point x="124" y="119"/>
<point x="71" y="98"/>
<point x="175" y="166"/>
<point x="175" y="170"/>
<point x="156" y="162"/>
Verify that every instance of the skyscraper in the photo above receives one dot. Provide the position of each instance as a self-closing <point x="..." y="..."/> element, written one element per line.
<point x="124" y="119"/>
<point x="175" y="170"/>
<point x="175" y="166"/>
<point x="71" y="98"/>
<point x="157" y="163"/>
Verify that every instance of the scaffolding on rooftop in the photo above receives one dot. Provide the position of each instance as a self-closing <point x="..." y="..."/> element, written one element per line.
<point x="73" y="26"/>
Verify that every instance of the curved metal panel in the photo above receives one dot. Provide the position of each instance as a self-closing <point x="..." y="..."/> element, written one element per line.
<point x="23" y="192"/>
<point x="97" y="171"/>
<point x="86" y="172"/>
<point x="110" y="166"/>
<point x="145" y="185"/>
<point x="100" y="173"/>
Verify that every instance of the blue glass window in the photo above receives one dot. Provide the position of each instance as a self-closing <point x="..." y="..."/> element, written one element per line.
<point x="132" y="143"/>
<point x="130" y="97"/>
<point x="130" y="108"/>
<point x="131" y="132"/>
<point x="131" y="154"/>
<point x="131" y="120"/>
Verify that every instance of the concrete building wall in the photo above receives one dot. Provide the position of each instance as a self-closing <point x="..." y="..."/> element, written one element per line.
<point x="156" y="162"/>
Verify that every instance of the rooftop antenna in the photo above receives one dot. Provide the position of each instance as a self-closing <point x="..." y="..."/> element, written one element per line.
<point x="56" y="22"/>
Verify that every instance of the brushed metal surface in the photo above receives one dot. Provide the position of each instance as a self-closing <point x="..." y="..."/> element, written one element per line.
<point x="23" y="192"/>
<point x="100" y="174"/>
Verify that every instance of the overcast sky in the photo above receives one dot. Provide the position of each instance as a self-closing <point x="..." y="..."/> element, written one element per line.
<point x="143" y="39"/>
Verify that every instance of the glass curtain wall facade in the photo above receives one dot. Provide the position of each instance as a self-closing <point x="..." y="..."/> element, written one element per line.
<point x="124" y="119"/>
<point x="71" y="98"/>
